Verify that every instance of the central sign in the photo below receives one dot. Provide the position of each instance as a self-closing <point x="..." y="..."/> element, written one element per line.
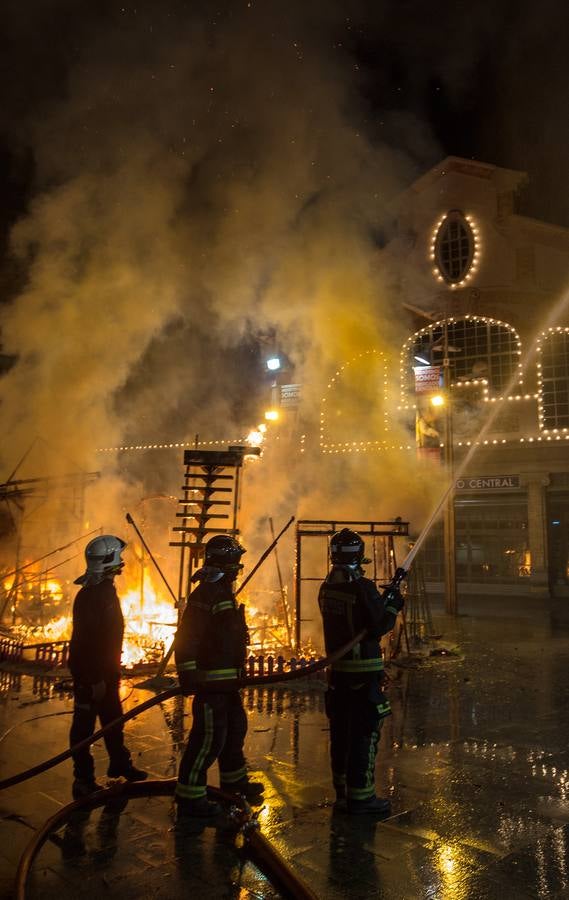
<point x="487" y="483"/>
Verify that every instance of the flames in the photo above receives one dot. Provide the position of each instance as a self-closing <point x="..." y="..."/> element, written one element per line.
<point x="150" y="623"/>
<point x="43" y="614"/>
<point x="44" y="607"/>
<point x="267" y="629"/>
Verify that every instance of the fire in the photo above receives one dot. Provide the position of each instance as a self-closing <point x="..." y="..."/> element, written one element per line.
<point x="150" y="620"/>
<point x="57" y="630"/>
<point x="150" y="623"/>
<point x="150" y="617"/>
<point x="54" y="589"/>
<point x="267" y="631"/>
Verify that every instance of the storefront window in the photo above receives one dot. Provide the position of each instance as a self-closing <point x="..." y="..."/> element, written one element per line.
<point x="491" y="542"/>
<point x="558" y="536"/>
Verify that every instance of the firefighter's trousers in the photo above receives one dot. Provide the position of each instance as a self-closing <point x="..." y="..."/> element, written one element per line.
<point x="356" y="713"/>
<point x="218" y="732"/>
<point x="85" y="713"/>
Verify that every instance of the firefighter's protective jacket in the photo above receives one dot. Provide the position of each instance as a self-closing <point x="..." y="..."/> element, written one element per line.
<point x="211" y="641"/>
<point x="96" y="639"/>
<point x="348" y="607"/>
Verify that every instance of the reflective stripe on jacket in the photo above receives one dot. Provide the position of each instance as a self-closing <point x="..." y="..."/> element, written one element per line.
<point x="347" y="607"/>
<point x="211" y="641"/>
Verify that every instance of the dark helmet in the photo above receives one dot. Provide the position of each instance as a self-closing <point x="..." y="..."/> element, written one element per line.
<point x="347" y="548"/>
<point x="223" y="551"/>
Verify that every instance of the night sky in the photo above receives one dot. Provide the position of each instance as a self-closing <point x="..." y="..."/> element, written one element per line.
<point x="259" y="139"/>
<point x="483" y="80"/>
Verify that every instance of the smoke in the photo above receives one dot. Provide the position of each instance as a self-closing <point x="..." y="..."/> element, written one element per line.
<point x="203" y="177"/>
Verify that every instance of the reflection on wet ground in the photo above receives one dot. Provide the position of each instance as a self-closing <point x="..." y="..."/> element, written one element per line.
<point x="475" y="760"/>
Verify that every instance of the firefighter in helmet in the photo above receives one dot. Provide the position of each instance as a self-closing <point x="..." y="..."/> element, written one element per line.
<point x="355" y="702"/>
<point x="95" y="664"/>
<point x="210" y="648"/>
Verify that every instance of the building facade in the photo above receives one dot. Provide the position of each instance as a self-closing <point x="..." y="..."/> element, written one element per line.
<point x="487" y="289"/>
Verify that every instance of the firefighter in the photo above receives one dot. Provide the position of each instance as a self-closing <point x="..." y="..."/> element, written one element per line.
<point x="210" y="649"/>
<point x="355" y="702"/>
<point x="94" y="661"/>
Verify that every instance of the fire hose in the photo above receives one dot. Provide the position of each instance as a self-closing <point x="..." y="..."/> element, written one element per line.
<point x="248" y="828"/>
<point x="248" y="837"/>
<point x="175" y="690"/>
<point x="257" y="845"/>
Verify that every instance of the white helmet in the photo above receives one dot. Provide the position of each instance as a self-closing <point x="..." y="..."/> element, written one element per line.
<point x="103" y="557"/>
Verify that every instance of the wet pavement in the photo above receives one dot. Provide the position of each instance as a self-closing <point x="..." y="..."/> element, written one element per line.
<point x="475" y="760"/>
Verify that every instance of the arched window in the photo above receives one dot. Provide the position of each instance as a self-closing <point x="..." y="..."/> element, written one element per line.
<point x="553" y="380"/>
<point x="354" y="415"/>
<point x="454" y="248"/>
<point x="479" y="349"/>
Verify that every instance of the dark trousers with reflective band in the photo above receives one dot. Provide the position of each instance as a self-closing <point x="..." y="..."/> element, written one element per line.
<point x="85" y="713"/>
<point x="218" y="732"/>
<point x="356" y="715"/>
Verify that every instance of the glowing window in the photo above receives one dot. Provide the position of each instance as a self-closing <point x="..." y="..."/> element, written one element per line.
<point x="479" y="349"/>
<point x="554" y="381"/>
<point x="454" y="247"/>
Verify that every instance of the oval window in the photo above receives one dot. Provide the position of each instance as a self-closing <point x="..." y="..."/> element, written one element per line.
<point x="454" y="247"/>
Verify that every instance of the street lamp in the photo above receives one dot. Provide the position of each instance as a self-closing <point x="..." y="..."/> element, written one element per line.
<point x="449" y="524"/>
<point x="273" y="363"/>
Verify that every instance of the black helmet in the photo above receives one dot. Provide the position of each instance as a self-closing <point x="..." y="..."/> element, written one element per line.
<point x="347" y="548"/>
<point x="223" y="551"/>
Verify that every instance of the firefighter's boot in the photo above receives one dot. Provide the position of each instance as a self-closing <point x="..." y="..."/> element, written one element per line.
<point x="374" y="806"/>
<point x="251" y="790"/>
<point x="130" y="772"/>
<point x="341" y="801"/>
<point x="84" y="787"/>
<point x="197" y="808"/>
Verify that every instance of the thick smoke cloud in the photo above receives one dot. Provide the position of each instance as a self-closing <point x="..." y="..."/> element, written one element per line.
<point x="201" y="177"/>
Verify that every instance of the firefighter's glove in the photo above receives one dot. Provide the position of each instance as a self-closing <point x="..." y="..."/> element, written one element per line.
<point x="98" y="691"/>
<point x="393" y="600"/>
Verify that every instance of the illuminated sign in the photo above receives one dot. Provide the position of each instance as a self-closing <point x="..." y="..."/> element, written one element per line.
<point x="427" y="378"/>
<point x="487" y="483"/>
<point x="290" y="395"/>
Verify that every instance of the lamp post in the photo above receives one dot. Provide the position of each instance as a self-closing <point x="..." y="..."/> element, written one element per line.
<point x="449" y="525"/>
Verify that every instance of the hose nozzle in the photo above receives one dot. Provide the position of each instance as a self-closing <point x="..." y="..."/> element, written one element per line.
<point x="400" y="574"/>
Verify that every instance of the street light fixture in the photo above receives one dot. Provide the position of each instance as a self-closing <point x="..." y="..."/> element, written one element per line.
<point x="273" y="363"/>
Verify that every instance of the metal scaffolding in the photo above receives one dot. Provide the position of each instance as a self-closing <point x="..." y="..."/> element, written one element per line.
<point x="208" y="473"/>
<point x="384" y="560"/>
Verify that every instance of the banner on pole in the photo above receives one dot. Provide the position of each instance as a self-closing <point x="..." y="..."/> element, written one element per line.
<point x="290" y="395"/>
<point x="427" y="378"/>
